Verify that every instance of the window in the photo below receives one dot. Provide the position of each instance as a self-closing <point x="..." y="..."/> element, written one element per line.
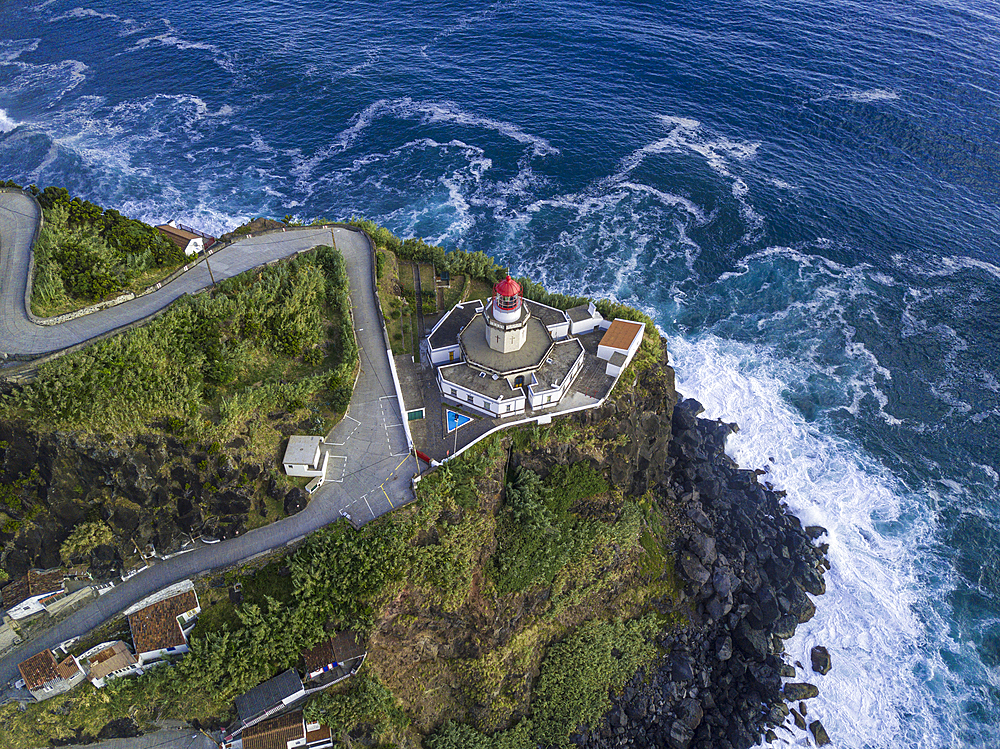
<point x="470" y="399"/>
<point x="508" y="407"/>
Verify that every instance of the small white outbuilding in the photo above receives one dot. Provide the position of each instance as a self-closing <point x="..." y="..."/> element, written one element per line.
<point x="304" y="456"/>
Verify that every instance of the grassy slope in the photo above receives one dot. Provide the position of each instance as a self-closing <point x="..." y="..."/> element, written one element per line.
<point x="446" y="640"/>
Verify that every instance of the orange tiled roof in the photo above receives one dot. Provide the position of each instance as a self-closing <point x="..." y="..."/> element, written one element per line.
<point x="275" y="733"/>
<point x="38" y="670"/>
<point x="156" y="628"/>
<point x="339" y="648"/>
<point x="110" y="660"/>
<point x="32" y="584"/>
<point x="621" y="334"/>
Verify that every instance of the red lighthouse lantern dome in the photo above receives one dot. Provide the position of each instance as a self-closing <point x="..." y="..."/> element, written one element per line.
<point x="507" y="295"/>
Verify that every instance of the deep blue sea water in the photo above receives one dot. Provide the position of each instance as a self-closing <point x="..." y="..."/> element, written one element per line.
<point x="803" y="194"/>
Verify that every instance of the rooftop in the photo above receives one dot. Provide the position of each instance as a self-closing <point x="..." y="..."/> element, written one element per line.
<point x="156" y="627"/>
<point x="265" y="696"/>
<point x="558" y="364"/>
<point x="109" y="660"/>
<point x="178" y="236"/>
<point x="301" y="450"/>
<point x="32" y="584"/>
<point x="479" y="354"/>
<point x="275" y="733"/>
<point x="621" y="334"/>
<point x="337" y="649"/>
<point x="39" y="670"/>
<point x="447" y="330"/>
<point x="548" y="315"/>
<point x="463" y="375"/>
<point x="580" y="313"/>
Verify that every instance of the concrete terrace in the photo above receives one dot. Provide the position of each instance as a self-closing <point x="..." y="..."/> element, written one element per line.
<point x="371" y="466"/>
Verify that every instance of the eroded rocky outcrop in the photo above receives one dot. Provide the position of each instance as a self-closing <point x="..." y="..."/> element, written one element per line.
<point x="749" y="570"/>
<point x="155" y="492"/>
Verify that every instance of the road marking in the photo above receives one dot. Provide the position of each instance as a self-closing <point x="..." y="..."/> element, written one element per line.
<point x="387" y="497"/>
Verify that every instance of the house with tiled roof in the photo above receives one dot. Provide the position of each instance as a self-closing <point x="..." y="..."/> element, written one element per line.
<point x="619" y="344"/>
<point x="285" y="732"/>
<point x="28" y="594"/>
<point x="191" y="241"/>
<point x="344" y="651"/>
<point x="46" y="677"/>
<point x="161" y="628"/>
<point x="109" y="660"/>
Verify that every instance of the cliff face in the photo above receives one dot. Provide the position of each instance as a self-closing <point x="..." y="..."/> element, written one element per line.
<point x="750" y="569"/>
<point x="154" y="493"/>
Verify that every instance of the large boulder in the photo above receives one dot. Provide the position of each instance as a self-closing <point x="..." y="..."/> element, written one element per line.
<point x="795" y="691"/>
<point x="820" y="658"/>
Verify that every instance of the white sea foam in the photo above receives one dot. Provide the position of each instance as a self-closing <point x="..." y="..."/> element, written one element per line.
<point x="434" y="112"/>
<point x="886" y="684"/>
<point x="129" y="25"/>
<point x="11" y="49"/>
<point x="170" y="37"/>
<point x="372" y="56"/>
<point x="6" y="123"/>
<point x="862" y="96"/>
<point x="719" y="153"/>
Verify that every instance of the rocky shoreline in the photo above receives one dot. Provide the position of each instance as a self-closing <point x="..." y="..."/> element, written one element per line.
<point x="749" y="569"/>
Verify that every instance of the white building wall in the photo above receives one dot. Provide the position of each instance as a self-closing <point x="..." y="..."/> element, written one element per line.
<point x="460" y="396"/>
<point x="30" y="606"/>
<point x="446" y="354"/>
<point x="560" y="330"/>
<point x="195" y="246"/>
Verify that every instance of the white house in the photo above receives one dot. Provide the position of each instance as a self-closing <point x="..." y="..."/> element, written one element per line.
<point x="45" y="677"/>
<point x="28" y="594"/>
<point x="192" y="242"/>
<point x="619" y="344"/>
<point x="109" y="660"/>
<point x="304" y="456"/>
<point x="476" y="390"/>
<point x="162" y="627"/>
<point x="266" y="700"/>
<point x="287" y="731"/>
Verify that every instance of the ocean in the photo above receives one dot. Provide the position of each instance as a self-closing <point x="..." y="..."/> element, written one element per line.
<point x="804" y="196"/>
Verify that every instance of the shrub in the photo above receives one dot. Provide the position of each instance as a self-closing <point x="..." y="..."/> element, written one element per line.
<point x="84" y="538"/>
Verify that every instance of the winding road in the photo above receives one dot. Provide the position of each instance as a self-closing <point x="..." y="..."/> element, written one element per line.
<point x="371" y="461"/>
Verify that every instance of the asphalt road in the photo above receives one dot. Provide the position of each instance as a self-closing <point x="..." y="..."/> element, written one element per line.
<point x="369" y="444"/>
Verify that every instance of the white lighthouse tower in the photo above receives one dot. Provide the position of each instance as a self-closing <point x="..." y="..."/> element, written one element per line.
<point x="506" y="317"/>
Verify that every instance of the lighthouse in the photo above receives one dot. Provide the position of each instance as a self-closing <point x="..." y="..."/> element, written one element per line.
<point x="506" y="317"/>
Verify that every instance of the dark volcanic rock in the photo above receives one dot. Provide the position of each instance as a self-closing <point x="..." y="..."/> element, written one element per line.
<point x="795" y="691"/>
<point x="819" y="733"/>
<point x="820" y="658"/>
<point x="151" y="491"/>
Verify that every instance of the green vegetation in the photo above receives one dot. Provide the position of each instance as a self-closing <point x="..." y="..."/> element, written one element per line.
<point x="212" y="364"/>
<point x="85" y="253"/>
<point x="84" y="538"/>
<point x="366" y="702"/>
<point x="573" y="687"/>
<point x="434" y="566"/>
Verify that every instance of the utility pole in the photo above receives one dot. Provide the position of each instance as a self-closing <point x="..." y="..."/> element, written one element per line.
<point x="207" y="265"/>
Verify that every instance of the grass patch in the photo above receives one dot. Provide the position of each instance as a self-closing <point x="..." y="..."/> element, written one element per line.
<point x="214" y="364"/>
<point x="452" y="294"/>
<point x="85" y="253"/>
